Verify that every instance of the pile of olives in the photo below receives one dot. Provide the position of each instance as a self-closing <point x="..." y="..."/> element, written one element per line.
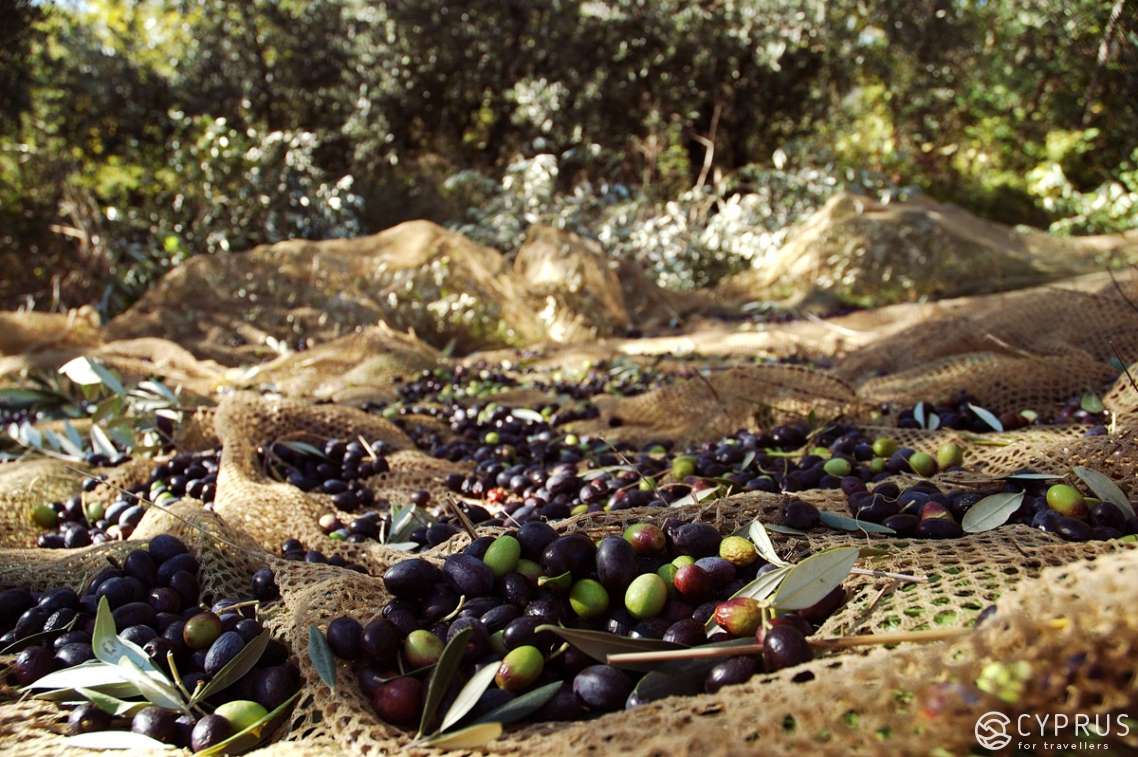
<point x="294" y="550"/>
<point x="923" y="510"/>
<point x="74" y="523"/>
<point x="156" y="603"/>
<point x="338" y="469"/>
<point x="957" y="414"/>
<point x="376" y="525"/>
<point x="651" y="582"/>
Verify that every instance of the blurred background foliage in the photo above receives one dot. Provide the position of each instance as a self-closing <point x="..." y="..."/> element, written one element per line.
<point x="687" y="135"/>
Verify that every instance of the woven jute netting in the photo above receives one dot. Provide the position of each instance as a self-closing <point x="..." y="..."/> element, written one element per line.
<point x="1064" y="625"/>
<point x="237" y="309"/>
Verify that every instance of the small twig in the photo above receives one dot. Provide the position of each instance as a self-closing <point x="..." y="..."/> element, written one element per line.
<point x="906" y="577"/>
<point x="1118" y="288"/>
<point x="1008" y="347"/>
<point x="368" y="447"/>
<point x="462" y="519"/>
<point x="178" y="678"/>
<point x="843" y="642"/>
<point x="457" y="609"/>
<point x="843" y="330"/>
<point x="1121" y="362"/>
<point x="869" y="608"/>
<point x="242" y="605"/>
<point x="1015" y="543"/>
<point x="706" y="382"/>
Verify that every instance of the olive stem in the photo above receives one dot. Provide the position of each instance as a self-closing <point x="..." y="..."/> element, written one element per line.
<point x="841" y="642"/>
<point x="178" y="678"/>
<point x="886" y="574"/>
<point x="242" y="605"/>
<point x="844" y="642"/>
<point x="462" y="519"/>
<point x="695" y="653"/>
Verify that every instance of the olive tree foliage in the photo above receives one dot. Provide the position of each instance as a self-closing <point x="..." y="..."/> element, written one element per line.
<point x="686" y="135"/>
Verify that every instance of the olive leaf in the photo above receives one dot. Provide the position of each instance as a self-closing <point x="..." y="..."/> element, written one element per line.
<point x="779" y="528"/>
<point x="991" y="512"/>
<point x="762" y="586"/>
<point x="84" y="675"/>
<point x="243" y="741"/>
<point x="235" y="669"/>
<point x="1033" y="477"/>
<point x="815" y="577"/>
<point x="759" y="588"/>
<point x="598" y="472"/>
<point x="81" y="371"/>
<point x="19" y="398"/>
<point x="134" y="663"/>
<point x="1029" y="415"/>
<point x="109" y="408"/>
<point x="521" y="707"/>
<point x="157" y="388"/>
<point x="72" y="435"/>
<point x="102" y="443"/>
<point x="403" y="546"/>
<point x="470" y="737"/>
<point x="469" y="695"/>
<point x="70" y="445"/>
<point x="123" y="690"/>
<point x="747" y="460"/>
<point x="115" y="740"/>
<point x="107" y="378"/>
<point x="600" y="644"/>
<point x="111" y="704"/>
<point x="525" y="414"/>
<point x="758" y="535"/>
<point x="695" y="497"/>
<point x="845" y="523"/>
<point x="987" y="417"/>
<point x="562" y="581"/>
<point x="304" y="448"/>
<point x="919" y="414"/>
<point x="160" y="693"/>
<point x="441" y="677"/>
<point x="1105" y="489"/>
<point x="934" y="422"/>
<point x="321" y="656"/>
<point x="1091" y="403"/>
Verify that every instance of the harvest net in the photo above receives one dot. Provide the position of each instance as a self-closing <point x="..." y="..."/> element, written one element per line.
<point x="1062" y="639"/>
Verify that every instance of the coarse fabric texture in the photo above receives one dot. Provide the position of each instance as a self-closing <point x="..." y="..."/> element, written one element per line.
<point x="1062" y="639"/>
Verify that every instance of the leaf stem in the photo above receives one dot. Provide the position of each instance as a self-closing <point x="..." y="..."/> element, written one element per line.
<point x="177" y="677"/>
<point x="841" y="642"/>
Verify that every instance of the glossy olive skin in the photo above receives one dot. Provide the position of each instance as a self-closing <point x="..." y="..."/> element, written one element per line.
<point x="87" y="718"/>
<point x="602" y="688"/>
<point x="784" y="646"/>
<point x="346" y="638"/>
<point x="399" y="701"/>
<point x="732" y="671"/>
<point x="615" y="564"/>
<point x="208" y="731"/>
<point x="157" y="723"/>
<point x="411" y="578"/>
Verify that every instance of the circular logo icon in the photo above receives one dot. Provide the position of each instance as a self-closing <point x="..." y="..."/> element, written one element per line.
<point x="992" y="730"/>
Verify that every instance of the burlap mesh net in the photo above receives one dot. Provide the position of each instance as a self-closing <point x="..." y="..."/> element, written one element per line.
<point x="1065" y="609"/>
